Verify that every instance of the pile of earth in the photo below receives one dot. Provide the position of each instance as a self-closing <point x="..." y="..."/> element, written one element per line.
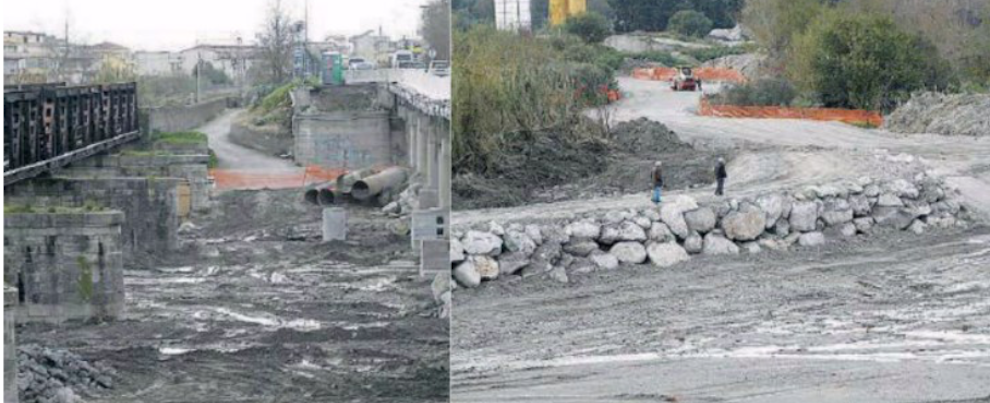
<point x="948" y="114"/>
<point x="550" y="170"/>
<point x="553" y="158"/>
<point x="48" y="375"/>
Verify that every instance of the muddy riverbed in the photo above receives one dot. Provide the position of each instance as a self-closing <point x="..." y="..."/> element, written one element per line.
<point x="899" y="317"/>
<point x="257" y="309"/>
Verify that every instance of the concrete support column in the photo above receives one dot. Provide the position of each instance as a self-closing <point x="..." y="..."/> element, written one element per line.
<point x="423" y="165"/>
<point x="411" y="138"/>
<point x="434" y="153"/>
<point x="445" y="167"/>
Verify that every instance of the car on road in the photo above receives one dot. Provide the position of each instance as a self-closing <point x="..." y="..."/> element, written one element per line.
<point x="684" y="80"/>
<point x="357" y="63"/>
<point x="440" y="68"/>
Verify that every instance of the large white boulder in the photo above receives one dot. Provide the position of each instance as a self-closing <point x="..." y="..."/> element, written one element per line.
<point x="604" y="260"/>
<point x="716" y="244"/>
<point x="629" y="252"/>
<point x="744" y="225"/>
<point x="482" y="243"/>
<point x="666" y="254"/>
<point x="583" y="229"/>
<point x="804" y="216"/>
<point x="700" y="220"/>
<point x="467" y="275"/>
<point x="518" y="241"/>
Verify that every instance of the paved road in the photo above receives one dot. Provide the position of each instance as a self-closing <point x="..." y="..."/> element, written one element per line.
<point x="235" y="157"/>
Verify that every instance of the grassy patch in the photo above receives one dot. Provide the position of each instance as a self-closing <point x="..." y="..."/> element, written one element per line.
<point x="88" y="207"/>
<point x="656" y="56"/>
<point x="9" y="208"/>
<point x="85" y="279"/>
<point x="214" y="161"/>
<point x="712" y="53"/>
<point x="180" y="138"/>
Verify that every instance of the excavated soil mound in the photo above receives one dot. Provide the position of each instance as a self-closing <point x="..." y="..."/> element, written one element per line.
<point x="948" y="114"/>
<point x="640" y="143"/>
<point x="551" y="170"/>
<point x="550" y="160"/>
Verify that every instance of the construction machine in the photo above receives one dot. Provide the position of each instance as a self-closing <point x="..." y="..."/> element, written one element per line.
<point x="684" y="80"/>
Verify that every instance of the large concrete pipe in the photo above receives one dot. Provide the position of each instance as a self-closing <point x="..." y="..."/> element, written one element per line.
<point x="312" y="195"/>
<point x="346" y="182"/>
<point x="373" y="185"/>
<point x="326" y="197"/>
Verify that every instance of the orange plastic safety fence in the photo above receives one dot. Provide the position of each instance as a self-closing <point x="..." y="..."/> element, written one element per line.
<point x="248" y="179"/>
<point x="703" y="73"/>
<point x="857" y="116"/>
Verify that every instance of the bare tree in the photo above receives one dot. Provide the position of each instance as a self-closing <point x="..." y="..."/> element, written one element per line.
<point x="435" y="27"/>
<point x="276" y="43"/>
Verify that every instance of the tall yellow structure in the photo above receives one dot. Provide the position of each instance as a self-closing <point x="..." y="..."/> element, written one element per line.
<point x="561" y="10"/>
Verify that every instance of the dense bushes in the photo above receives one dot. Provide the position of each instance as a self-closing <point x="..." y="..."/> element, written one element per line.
<point x="690" y="23"/>
<point x="705" y="54"/>
<point x="864" y="62"/>
<point x="654" y="15"/>
<point x="591" y="27"/>
<point x="510" y="90"/>
<point x="766" y="92"/>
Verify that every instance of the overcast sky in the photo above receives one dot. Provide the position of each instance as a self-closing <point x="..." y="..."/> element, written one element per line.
<point x="178" y="24"/>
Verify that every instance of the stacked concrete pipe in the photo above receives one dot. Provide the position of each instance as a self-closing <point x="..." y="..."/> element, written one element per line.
<point x="328" y="193"/>
<point x="374" y="185"/>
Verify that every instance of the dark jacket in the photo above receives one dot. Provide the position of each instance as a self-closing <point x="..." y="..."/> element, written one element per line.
<point x="657" y="176"/>
<point x="720" y="171"/>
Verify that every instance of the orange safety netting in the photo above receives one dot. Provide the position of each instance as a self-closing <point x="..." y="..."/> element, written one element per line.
<point x="856" y="116"/>
<point x="247" y="179"/>
<point x="702" y="73"/>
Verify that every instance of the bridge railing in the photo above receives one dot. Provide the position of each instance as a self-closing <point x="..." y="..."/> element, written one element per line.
<point x="48" y="126"/>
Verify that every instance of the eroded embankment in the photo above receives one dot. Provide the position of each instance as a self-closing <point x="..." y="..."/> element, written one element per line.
<point x="680" y="228"/>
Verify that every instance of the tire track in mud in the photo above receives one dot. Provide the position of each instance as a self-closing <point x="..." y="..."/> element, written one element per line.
<point x="923" y="306"/>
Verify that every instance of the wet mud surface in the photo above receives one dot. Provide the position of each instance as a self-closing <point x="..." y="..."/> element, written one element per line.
<point x="898" y="317"/>
<point x="256" y="309"/>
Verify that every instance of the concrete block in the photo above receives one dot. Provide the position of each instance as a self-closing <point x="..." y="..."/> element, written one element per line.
<point x="434" y="256"/>
<point x="429" y="198"/>
<point x="9" y="346"/>
<point x="429" y="224"/>
<point x="334" y="224"/>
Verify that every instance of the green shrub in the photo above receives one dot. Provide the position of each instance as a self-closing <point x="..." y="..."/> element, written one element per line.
<point x="690" y="23"/>
<point x="656" y="56"/>
<point x="180" y="138"/>
<point x="705" y="54"/>
<point x="509" y="90"/>
<point x="214" y="160"/>
<point x="590" y="27"/>
<point x="766" y="92"/>
<point x="864" y="61"/>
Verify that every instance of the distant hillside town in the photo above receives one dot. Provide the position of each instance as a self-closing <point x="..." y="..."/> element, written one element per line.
<point x="38" y="57"/>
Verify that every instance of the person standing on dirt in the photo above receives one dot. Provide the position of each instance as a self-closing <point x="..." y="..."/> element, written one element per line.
<point x="657" y="176"/>
<point x="720" y="176"/>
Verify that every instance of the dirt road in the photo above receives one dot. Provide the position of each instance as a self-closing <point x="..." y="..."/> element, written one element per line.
<point x="254" y="308"/>
<point x="778" y="154"/>
<point x="235" y="157"/>
<point x="893" y="318"/>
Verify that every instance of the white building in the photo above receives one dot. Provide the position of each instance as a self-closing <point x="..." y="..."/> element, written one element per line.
<point x="513" y="15"/>
<point x="158" y="63"/>
<point x="234" y="60"/>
